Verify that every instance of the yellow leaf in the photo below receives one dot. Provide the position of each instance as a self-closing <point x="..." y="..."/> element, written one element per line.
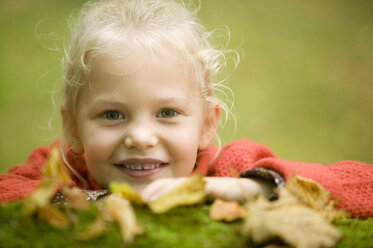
<point x="94" y="230"/>
<point x="39" y="197"/>
<point x="227" y="210"/>
<point x="307" y="191"/>
<point x="76" y="198"/>
<point x="188" y="193"/>
<point x="125" y="191"/>
<point x="54" y="168"/>
<point x="53" y="216"/>
<point x="120" y="210"/>
<point x="313" y="195"/>
<point x="289" y="220"/>
<point x="53" y="174"/>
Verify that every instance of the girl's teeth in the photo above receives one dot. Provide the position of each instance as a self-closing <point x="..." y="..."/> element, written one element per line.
<point x="148" y="166"/>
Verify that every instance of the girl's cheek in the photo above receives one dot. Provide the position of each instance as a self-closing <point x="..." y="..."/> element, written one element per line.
<point x="100" y="140"/>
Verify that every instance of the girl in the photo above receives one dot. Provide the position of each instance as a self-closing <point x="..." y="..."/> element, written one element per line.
<point x="140" y="107"/>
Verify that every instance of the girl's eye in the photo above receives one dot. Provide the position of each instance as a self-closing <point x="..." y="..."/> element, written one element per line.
<point x="167" y="113"/>
<point x="112" y="115"/>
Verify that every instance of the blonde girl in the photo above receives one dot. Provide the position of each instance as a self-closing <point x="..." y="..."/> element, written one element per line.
<point x="140" y="106"/>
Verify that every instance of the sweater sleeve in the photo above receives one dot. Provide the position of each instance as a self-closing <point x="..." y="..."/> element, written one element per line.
<point x="350" y="182"/>
<point x="21" y="180"/>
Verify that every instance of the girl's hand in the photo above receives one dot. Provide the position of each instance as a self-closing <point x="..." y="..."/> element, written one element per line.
<point x="226" y="188"/>
<point x="236" y="189"/>
<point x="160" y="187"/>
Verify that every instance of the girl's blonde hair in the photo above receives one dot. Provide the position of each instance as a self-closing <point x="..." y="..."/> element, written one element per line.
<point x="157" y="25"/>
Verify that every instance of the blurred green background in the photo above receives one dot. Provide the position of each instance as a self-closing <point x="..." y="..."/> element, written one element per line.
<point x="303" y="86"/>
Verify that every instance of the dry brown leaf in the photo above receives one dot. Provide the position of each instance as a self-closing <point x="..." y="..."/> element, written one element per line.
<point x="314" y="195"/>
<point x="96" y="229"/>
<point x="76" y="198"/>
<point x="331" y="214"/>
<point x="39" y="197"/>
<point x="53" y="216"/>
<point x="120" y="210"/>
<point x="227" y="210"/>
<point x="289" y="220"/>
<point x="125" y="191"/>
<point x="307" y="191"/>
<point x="188" y="193"/>
<point x="54" y="168"/>
<point x="53" y="174"/>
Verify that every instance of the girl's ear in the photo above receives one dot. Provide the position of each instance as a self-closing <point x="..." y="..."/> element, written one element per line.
<point x="70" y="132"/>
<point x="210" y="126"/>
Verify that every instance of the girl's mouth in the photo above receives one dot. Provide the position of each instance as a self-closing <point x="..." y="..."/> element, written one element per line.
<point x="141" y="167"/>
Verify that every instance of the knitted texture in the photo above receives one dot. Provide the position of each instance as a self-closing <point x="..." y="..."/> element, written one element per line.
<point x="350" y="182"/>
<point x="22" y="179"/>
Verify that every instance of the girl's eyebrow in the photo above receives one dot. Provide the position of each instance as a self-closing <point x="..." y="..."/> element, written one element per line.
<point x="103" y="103"/>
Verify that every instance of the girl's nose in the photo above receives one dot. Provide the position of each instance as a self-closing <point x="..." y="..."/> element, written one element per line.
<point x="141" y="138"/>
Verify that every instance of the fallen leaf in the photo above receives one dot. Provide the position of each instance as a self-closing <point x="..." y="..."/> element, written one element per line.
<point x="308" y="191"/>
<point x="188" y="193"/>
<point x="227" y="210"/>
<point x="39" y="197"/>
<point x="53" y="175"/>
<point x="315" y="196"/>
<point x="331" y="214"/>
<point x="76" y="198"/>
<point x="53" y="216"/>
<point x="120" y="210"/>
<point x="289" y="220"/>
<point x="125" y="191"/>
<point x="54" y="168"/>
<point x="96" y="229"/>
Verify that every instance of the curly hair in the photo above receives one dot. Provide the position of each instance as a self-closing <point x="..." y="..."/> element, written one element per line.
<point x="160" y="26"/>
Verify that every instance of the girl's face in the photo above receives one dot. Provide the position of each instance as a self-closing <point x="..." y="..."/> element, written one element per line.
<point x="142" y="118"/>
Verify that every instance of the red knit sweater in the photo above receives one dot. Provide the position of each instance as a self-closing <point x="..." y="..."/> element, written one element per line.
<point x="349" y="181"/>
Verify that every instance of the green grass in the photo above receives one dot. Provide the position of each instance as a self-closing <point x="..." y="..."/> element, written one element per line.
<point x="184" y="227"/>
<point x="303" y="86"/>
<point x="181" y="227"/>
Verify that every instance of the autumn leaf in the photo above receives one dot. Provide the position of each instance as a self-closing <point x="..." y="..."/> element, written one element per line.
<point x="188" y="193"/>
<point x="76" y="198"/>
<point x="120" y="210"/>
<point x="289" y="220"/>
<point x="53" y="174"/>
<point x="54" y="168"/>
<point x="53" y="216"/>
<point x="313" y="195"/>
<point x="96" y="229"/>
<point x="227" y="210"/>
<point x="125" y="191"/>
<point x="307" y="191"/>
<point x="113" y="208"/>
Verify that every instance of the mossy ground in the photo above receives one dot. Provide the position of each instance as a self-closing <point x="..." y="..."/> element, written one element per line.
<point x="181" y="227"/>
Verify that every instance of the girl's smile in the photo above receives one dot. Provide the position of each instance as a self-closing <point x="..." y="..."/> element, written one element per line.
<point x="141" y="167"/>
<point x="142" y="117"/>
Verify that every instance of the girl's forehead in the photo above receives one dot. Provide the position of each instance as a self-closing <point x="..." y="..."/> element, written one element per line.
<point x="126" y="62"/>
<point x="139" y="66"/>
